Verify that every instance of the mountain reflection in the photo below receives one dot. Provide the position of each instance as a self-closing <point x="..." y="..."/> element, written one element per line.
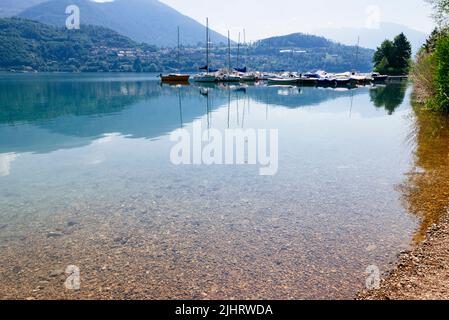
<point x="426" y="189"/>
<point x="47" y="113"/>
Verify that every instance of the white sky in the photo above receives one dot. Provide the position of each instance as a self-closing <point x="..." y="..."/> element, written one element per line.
<point x="265" y="18"/>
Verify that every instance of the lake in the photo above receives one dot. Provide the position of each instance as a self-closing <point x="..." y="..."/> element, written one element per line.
<point x="86" y="180"/>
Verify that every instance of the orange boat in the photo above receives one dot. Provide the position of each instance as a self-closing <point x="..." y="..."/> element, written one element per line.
<point x="175" y="77"/>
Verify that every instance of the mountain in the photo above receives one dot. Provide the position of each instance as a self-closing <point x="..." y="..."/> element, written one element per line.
<point x="294" y="52"/>
<point x="295" y="40"/>
<point x="9" y="8"/>
<point x="372" y="38"/>
<point x="148" y="21"/>
<point x="305" y="52"/>
<point x="33" y="46"/>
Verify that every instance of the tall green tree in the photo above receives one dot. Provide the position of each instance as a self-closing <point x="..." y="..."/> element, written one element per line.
<point x="393" y="57"/>
<point x="442" y="78"/>
<point x="381" y="57"/>
<point x="402" y="54"/>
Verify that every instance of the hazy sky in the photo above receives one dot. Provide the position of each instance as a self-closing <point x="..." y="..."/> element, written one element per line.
<point x="264" y="18"/>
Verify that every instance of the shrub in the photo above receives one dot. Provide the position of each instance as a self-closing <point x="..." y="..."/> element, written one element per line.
<point x="423" y="74"/>
<point x="442" y="74"/>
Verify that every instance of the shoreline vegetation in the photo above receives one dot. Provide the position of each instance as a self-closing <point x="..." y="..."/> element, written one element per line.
<point x="430" y="72"/>
<point x="422" y="273"/>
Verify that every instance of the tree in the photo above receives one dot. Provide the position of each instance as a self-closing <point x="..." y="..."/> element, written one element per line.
<point x="137" y="66"/>
<point x="393" y="57"/>
<point x="431" y="70"/>
<point x="441" y="11"/>
<point x="382" y="51"/>
<point x="442" y="78"/>
<point x="402" y="54"/>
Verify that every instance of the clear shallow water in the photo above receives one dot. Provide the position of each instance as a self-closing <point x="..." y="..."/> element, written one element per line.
<point x="87" y="157"/>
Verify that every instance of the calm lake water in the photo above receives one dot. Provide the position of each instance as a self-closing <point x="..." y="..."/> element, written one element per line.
<point x="86" y="180"/>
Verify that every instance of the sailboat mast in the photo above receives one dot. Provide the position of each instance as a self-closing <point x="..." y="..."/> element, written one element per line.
<point x="357" y="55"/>
<point x="229" y="51"/>
<point x="238" y="53"/>
<point x="179" y="65"/>
<point x="244" y="43"/>
<point x="207" y="45"/>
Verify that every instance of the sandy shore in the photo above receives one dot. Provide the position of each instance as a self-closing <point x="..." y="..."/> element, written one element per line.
<point x="422" y="273"/>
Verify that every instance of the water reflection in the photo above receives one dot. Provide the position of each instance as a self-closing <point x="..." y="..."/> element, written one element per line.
<point x="46" y="114"/>
<point x="389" y="97"/>
<point x="426" y="190"/>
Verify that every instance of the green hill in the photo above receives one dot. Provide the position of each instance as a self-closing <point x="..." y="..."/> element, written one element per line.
<point x="304" y="52"/>
<point x="298" y="40"/>
<point x="33" y="46"/>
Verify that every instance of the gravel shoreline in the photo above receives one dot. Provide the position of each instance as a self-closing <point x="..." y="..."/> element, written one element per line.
<point x="420" y="274"/>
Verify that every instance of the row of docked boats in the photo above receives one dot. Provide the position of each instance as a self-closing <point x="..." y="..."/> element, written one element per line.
<point x="321" y="78"/>
<point x="324" y="79"/>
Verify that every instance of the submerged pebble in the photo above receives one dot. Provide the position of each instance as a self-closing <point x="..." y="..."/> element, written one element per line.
<point x="54" y="234"/>
<point x="72" y="223"/>
<point x="56" y="273"/>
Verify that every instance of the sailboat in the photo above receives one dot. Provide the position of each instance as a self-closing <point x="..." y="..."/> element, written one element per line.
<point x="356" y="77"/>
<point x="246" y="76"/>
<point x="175" y="77"/>
<point x="229" y="76"/>
<point x="206" y="76"/>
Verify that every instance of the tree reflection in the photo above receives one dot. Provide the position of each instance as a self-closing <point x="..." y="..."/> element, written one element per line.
<point x="389" y="97"/>
<point x="426" y="189"/>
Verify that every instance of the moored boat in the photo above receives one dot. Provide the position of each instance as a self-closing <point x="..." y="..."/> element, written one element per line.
<point x="249" y="77"/>
<point x="175" y="77"/>
<point x="205" y="77"/>
<point x="345" y="82"/>
<point x="261" y="76"/>
<point x="229" y="77"/>
<point x="277" y="81"/>
<point x="360" y="79"/>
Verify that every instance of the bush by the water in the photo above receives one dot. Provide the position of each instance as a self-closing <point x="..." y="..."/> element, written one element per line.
<point x="442" y="76"/>
<point x="431" y="72"/>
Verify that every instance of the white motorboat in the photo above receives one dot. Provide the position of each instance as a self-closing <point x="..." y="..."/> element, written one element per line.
<point x="205" y="77"/>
